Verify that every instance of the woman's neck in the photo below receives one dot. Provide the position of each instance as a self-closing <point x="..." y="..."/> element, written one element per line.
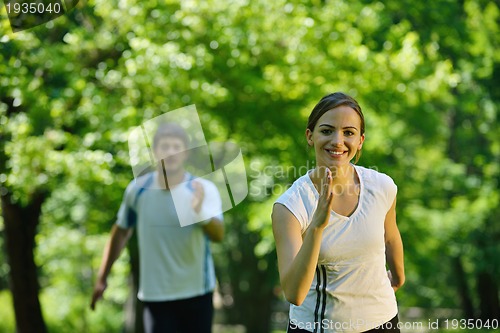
<point x="343" y="177"/>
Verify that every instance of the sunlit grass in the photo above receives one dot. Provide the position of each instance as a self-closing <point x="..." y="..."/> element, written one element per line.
<point x="7" y="313"/>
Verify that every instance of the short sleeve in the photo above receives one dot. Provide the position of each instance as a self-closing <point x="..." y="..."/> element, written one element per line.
<point x="127" y="215"/>
<point x="391" y="191"/>
<point x="295" y="203"/>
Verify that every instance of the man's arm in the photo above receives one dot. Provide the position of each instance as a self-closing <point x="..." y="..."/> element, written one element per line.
<point x="214" y="229"/>
<point x="117" y="241"/>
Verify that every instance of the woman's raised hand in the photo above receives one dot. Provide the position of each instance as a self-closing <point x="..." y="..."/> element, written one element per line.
<point x="322" y="214"/>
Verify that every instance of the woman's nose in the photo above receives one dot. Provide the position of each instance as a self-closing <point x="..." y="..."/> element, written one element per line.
<point x="337" y="138"/>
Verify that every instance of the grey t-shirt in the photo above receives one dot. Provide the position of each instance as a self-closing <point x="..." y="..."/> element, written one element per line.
<point x="175" y="261"/>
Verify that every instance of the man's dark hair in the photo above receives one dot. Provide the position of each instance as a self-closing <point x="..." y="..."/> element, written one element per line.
<point x="170" y="130"/>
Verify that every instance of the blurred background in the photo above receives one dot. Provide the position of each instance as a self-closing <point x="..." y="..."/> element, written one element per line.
<point x="426" y="73"/>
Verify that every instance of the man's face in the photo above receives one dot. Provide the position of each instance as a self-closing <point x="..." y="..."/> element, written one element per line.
<point x="172" y="151"/>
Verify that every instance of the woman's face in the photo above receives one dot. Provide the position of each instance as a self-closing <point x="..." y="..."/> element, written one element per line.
<point x="336" y="137"/>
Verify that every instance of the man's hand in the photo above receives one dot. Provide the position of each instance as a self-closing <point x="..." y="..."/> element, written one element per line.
<point x="198" y="196"/>
<point x="99" y="288"/>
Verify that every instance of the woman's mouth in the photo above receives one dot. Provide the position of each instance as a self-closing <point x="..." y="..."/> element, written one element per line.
<point x="335" y="153"/>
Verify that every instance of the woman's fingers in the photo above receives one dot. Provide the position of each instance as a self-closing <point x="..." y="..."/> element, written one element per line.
<point x="326" y="198"/>
<point x="322" y="214"/>
<point x="324" y="192"/>
<point x="328" y="184"/>
<point x="330" y="189"/>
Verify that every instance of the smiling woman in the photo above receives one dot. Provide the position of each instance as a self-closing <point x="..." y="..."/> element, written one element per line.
<point x="337" y="138"/>
<point x="339" y="100"/>
<point x="335" y="231"/>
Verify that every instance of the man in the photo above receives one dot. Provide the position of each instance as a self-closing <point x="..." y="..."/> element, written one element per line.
<point x="176" y="268"/>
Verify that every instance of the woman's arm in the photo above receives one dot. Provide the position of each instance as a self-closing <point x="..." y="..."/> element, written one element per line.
<point x="394" y="249"/>
<point x="297" y="256"/>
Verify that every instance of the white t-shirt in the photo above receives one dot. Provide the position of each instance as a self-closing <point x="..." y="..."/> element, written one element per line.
<point x="350" y="291"/>
<point x="175" y="262"/>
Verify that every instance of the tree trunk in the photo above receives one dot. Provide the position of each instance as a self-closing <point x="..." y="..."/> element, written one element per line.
<point x="252" y="287"/>
<point x="488" y="296"/>
<point x="20" y="230"/>
<point x="463" y="288"/>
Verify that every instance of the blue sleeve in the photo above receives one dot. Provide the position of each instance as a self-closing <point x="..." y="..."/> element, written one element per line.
<point x="127" y="215"/>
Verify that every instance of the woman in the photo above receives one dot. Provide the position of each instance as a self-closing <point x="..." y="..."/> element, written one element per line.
<point x="335" y="231"/>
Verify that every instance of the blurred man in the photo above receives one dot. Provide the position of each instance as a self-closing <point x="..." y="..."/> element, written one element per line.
<point x="177" y="276"/>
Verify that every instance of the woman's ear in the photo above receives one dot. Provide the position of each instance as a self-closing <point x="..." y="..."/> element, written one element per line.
<point x="309" y="139"/>
<point x="362" y="139"/>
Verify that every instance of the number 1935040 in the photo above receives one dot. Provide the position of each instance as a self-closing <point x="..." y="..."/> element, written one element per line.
<point x="33" y="8"/>
<point x="464" y="324"/>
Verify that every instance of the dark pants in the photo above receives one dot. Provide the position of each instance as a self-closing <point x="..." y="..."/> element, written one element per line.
<point x="179" y="316"/>
<point x="389" y="327"/>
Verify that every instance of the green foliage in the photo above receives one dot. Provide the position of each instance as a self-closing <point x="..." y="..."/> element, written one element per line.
<point x="67" y="257"/>
<point x="7" y="323"/>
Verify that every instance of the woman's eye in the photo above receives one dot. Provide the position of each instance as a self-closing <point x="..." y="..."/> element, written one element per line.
<point x="348" y="133"/>
<point x="326" y="132"/>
